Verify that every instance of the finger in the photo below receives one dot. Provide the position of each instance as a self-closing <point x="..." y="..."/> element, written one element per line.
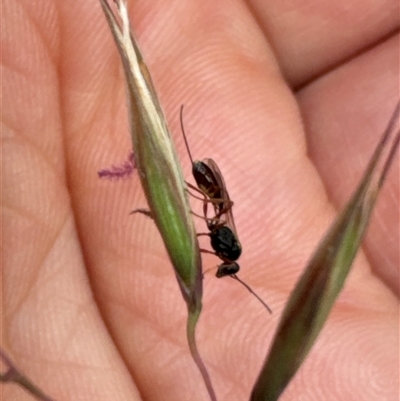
<point x="52" y="329"/>
<point x="312" y="37"/>
<point x="346" y="113"/>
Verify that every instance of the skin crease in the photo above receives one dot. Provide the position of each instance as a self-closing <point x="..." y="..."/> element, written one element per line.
<point x="91" y="307"/>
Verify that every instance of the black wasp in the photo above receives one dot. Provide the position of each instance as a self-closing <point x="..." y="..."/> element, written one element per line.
<point x="223" y="234"/>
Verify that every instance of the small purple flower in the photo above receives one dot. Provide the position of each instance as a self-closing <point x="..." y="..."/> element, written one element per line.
<point x="120" y="171"/>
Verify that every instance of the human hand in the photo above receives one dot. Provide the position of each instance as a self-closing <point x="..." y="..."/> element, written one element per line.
<point x="92" y="309"/>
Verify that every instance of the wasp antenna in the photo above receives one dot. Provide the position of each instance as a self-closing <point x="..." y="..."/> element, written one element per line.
<point x="251" y="291"/>
<point x="184" y="135"/>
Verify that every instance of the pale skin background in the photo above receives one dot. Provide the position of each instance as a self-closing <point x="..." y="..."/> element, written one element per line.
<point x="289" y="98"/>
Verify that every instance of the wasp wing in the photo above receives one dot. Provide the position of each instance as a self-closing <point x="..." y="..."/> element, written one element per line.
<point x="226" y="204"/>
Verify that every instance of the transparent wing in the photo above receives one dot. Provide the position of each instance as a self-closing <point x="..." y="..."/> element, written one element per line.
<point x="227" y="203"/>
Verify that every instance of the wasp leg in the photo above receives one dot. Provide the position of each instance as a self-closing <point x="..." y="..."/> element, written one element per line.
<point x="146" y="212"/>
